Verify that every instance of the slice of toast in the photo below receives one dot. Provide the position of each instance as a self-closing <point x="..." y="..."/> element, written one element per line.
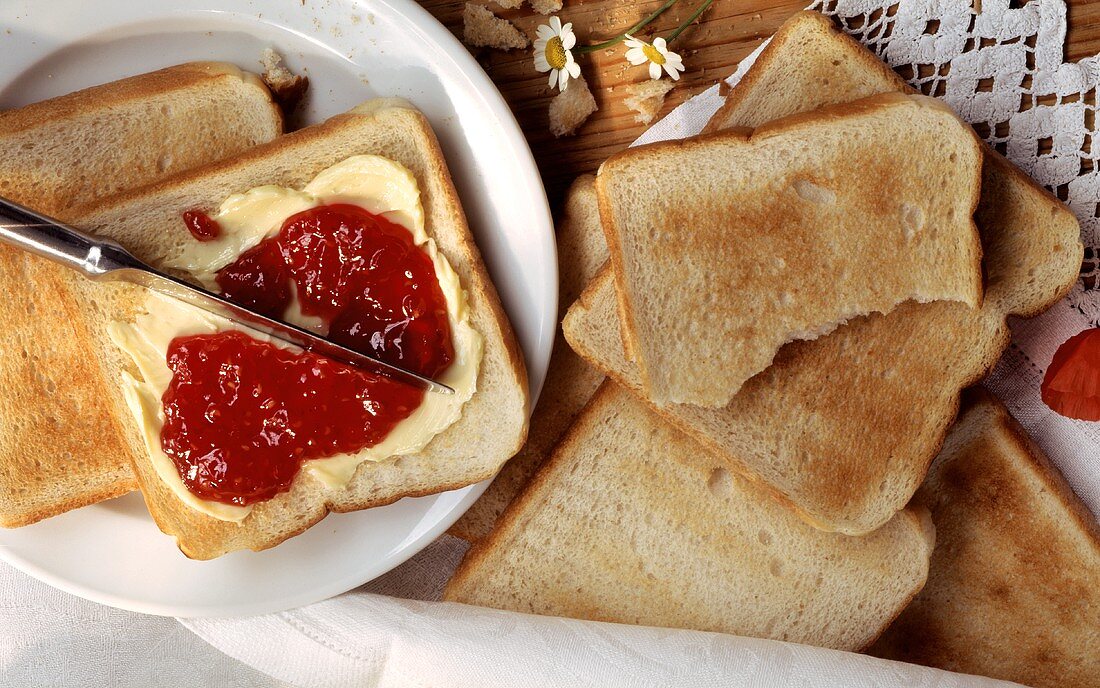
<point x="570" y="382"/>
<point x="728" y="246"/>
<point x="810" y="64"/>
<point x="844" y="427"/>
<point x="493" y="423"/>
<point x="631" y="521"/>
<point x="1014" y="586"/>
<point x="63" y="445"/>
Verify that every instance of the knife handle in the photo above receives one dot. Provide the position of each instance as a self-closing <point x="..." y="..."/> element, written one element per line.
<point x="44" y="236"/>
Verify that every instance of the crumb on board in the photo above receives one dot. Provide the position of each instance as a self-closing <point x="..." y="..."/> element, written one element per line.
<point x="546" y="6"/>
<point x="286" y="87"/>
<point x="483" y="29"/>
<point x="509" y="4"/>
<point x="646" y="98"/>
<point x="570" y="108"/>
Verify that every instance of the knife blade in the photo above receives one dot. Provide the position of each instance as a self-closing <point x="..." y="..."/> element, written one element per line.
<point x="102" y="260"/>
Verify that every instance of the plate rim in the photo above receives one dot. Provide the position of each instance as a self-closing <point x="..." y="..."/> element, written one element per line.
<point x="453" y="50"/>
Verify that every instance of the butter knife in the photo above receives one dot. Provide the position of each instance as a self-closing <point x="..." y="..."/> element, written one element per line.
<point x="104" y="260"/>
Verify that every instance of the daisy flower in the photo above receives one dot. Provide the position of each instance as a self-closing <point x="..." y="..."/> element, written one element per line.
<point x="656" y="54"/>
<point x="554" y="52"/>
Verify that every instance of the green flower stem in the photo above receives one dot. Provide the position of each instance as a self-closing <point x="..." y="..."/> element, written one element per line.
<point x="694" y="15"/>
<point x="640" y="25"/>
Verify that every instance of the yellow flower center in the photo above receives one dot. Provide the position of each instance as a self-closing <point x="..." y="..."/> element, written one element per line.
<point x="555" y="53"/>
<point x="653" y="54"/>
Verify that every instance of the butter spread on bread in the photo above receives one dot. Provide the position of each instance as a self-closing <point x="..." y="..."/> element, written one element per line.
<point x="382" y="187"/>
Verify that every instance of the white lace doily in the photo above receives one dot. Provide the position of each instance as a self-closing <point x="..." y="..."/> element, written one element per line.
<point x="998" y="63"/>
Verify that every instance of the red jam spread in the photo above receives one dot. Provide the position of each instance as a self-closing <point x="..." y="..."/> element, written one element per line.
<point x="202" y="226"/>
<point x="242" y="415"/>
<point x="1071" y="386"/>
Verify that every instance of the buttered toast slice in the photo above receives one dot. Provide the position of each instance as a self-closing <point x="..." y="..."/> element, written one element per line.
<point x="570" y="381"/>
<point x="630" y="521"/>
<point x="65" y="442"/>
<point x="492" y="425"/>
<point x="1014" y="586"/>
<point x="784" y="233"/>
<point x="844" y="427"/>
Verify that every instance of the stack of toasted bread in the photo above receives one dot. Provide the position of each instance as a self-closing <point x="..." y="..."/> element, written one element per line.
<point x="794" y="303"/>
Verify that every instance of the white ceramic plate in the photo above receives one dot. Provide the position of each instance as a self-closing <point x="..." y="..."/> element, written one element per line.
<point x="112" y="552"/>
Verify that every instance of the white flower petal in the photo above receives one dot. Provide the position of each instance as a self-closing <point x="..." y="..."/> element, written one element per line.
<point x="672" y="72"/>
<point x="636" y="56"/>
<point x="555" y="24"/>
<point x="553" y="77"/>
<point x="654" y="70"/>
<point x="674" y="59"/>
<point x="540" y="45"/>
<point x="541" y="65"/>
<point x="573" y="69"/>
<point x="632" y="42"/>
<point x="568" y="40"/>
<point x="563" y="80"/>
<point x="660" y="45"/>
<point x="544" y="33"/>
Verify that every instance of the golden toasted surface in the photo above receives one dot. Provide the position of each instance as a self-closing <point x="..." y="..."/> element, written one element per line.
<point x="63" y="442"/>
<point x="1014" y="586"/>
<point x="785" y="233"/>
<point x="830" y="426"/>
<point x="493" y="424"/>
<point x="631" y="521"/>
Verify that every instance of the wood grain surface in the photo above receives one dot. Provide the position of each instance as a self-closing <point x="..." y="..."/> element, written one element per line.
<point x="711" y="48"/>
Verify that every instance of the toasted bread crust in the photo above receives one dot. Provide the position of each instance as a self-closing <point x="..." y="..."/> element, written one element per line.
<point x="803" y="21"/>
<point x="136" y="88"/>
<point x="125" y="483"/>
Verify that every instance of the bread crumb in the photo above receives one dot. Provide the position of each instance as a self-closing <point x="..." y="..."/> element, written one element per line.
<point x="509" y="4"/>
<point x="546" y="6"/>
<point x="571" y="108"/>
<point x="646" y="98"/>
<point x="286" y="87"/>
<point x="483" y="29"/>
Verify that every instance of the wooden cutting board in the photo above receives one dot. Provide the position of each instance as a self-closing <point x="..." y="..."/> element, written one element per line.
<point x="722" y="37"/>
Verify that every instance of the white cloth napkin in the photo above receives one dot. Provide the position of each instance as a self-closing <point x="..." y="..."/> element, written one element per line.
<point x="366" y="638"/>
<point x="52" y="638"/>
